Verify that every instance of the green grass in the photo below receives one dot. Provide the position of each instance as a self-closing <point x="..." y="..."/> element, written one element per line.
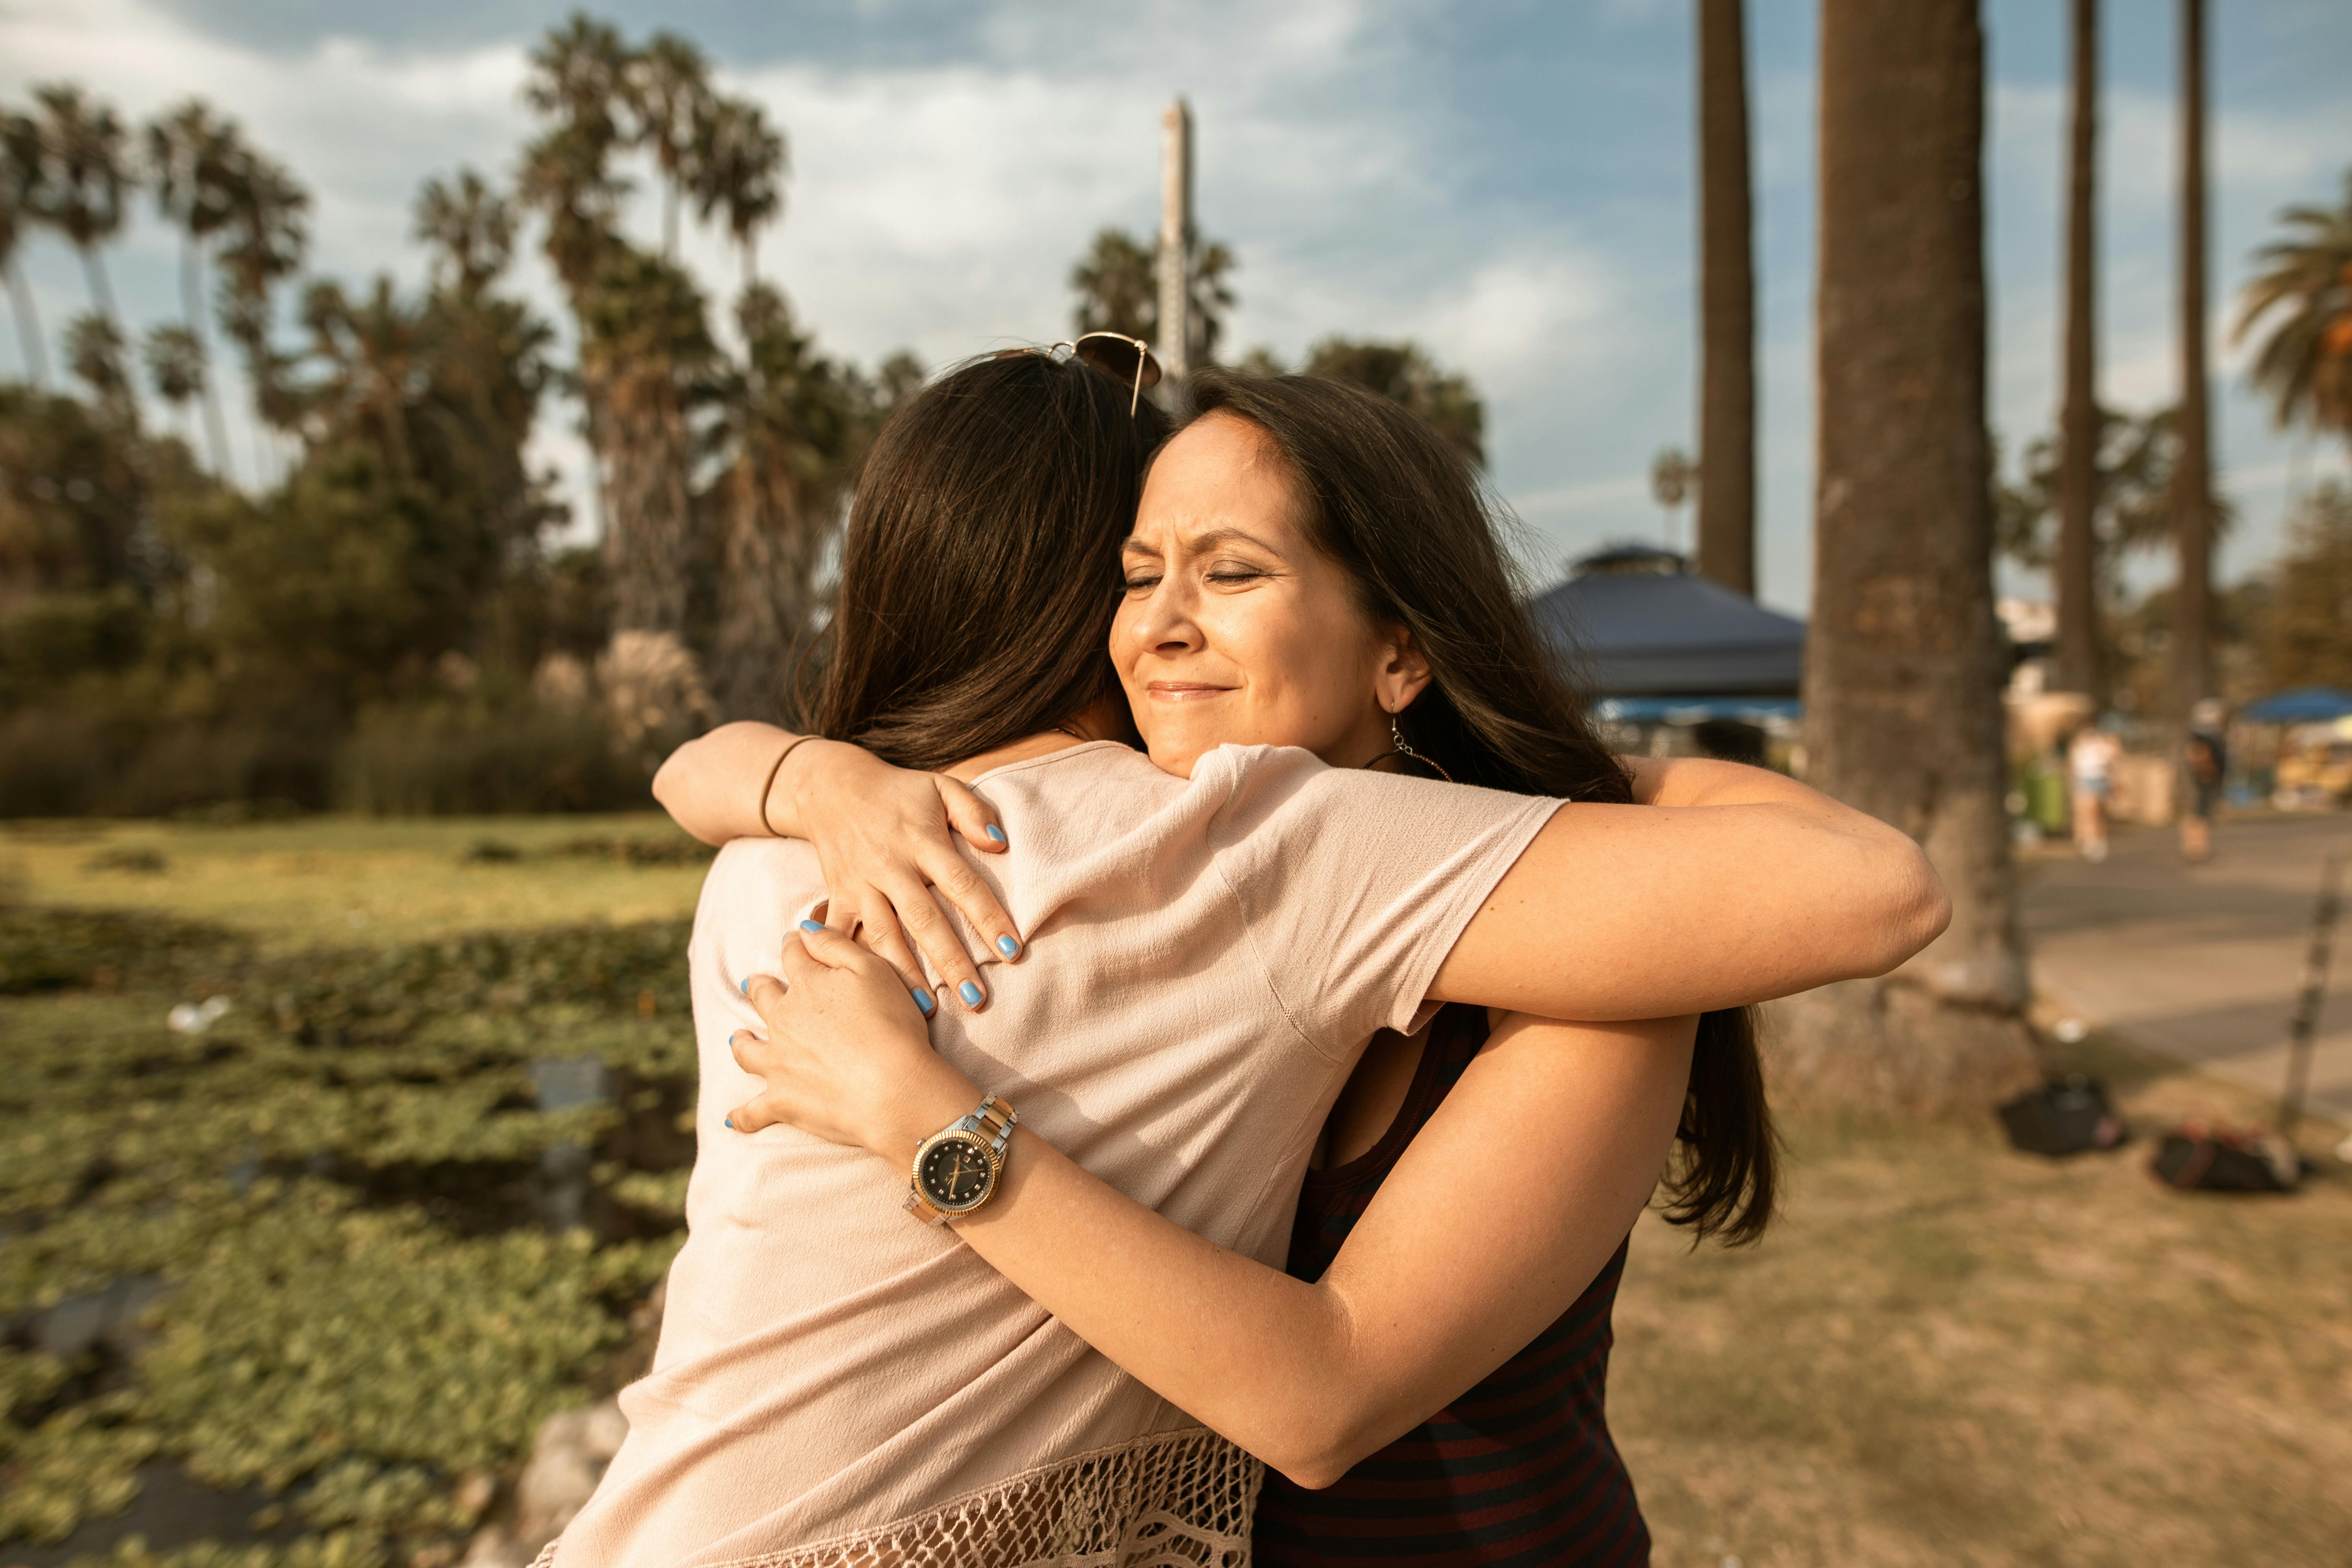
<point x="331" y="1204"/>
<point x="356" y="881"/>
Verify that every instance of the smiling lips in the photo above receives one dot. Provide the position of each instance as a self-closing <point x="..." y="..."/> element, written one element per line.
<point x="1182" y="691"/>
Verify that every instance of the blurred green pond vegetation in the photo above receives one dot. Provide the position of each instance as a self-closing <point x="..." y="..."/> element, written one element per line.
<point x="330" y="1252"/>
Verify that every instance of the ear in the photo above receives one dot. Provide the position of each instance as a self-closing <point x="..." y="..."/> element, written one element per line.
<point x="1403" y="671"/>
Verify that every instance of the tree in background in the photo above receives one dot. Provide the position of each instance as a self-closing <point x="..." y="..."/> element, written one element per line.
<point x="1118" y="286"/>
<point x="2301" y="302"/>
<point x="20" y="184"/>
<point x="2131" y="514"/>
<point x="267" y="236"/>
<point x="100" y="360"/>
<point x="666" y="88"/>
<point x="2192" y="654"/>
<point x="793" y="426"/>
<point x="1403" y="372"/>
<point x="2080" y="422"/>
<point x="193" y="158"/>
<point x="1726" y="400"/>
<point x="743" y="162"/>
<point x="85" y="174"/>
<point x="175" y="365"/>
<point x="2305" y="636"/>
<point x="1903" y="662"/>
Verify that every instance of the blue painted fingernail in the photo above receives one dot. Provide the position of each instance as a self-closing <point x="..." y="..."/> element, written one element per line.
<point x="730" y="1124"/>
<point x="923" y="1000"/>
<point x="811" y="925"/>
<point x="746" y="986"/>
<point x="996" y="833"/>
<point x="1007" y="946"/>
<point x="970" y="993"/>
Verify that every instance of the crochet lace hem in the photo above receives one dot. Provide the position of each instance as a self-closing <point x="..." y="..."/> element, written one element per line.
<point x="1173" y="1499"/>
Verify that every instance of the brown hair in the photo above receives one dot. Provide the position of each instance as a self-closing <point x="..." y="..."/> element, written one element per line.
<point x="982" y="561"/>
<point x="1404" y="514"/>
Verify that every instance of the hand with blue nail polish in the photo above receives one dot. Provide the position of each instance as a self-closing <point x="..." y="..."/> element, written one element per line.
<point x="841" y="1056"/>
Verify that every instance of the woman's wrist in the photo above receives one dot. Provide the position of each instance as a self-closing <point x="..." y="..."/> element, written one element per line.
<point x="925" y="1100"/>
<point x="784" y="807"/>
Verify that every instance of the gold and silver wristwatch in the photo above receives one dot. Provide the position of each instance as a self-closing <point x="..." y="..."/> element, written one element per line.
<point x="956" y="1168"/>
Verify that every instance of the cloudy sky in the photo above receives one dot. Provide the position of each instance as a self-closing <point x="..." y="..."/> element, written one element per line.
<point x="1509" y="182"/>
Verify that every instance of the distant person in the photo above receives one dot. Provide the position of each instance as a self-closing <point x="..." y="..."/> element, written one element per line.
<point x="2090" y="769"/>
<point x="2206" y="761"/>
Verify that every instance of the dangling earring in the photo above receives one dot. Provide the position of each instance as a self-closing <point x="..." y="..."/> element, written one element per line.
<point x="1400" y="747"/>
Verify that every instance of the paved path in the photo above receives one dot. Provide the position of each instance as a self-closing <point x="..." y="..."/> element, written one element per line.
<point x="2200" y="962"/>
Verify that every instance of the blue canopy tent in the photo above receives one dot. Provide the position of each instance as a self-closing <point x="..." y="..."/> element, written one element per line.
<point x="1639" y="627"/>
<point x="2301" y="705"/>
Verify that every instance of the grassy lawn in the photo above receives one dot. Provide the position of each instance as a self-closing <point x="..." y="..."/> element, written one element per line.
<point x="320" y="881"/>
<point x="298" y="1268"/>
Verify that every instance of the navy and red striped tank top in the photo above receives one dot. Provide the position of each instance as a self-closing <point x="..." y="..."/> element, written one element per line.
<point x="1519" y="1470"/>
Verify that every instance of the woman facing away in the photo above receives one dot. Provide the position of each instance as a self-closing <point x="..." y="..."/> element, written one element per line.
<point x="1207" y="957"/>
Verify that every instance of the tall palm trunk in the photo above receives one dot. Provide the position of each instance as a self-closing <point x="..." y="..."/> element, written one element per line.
<point x="2078" y="471"/>
<point x="28" y="326"/>
<point x="2192" y="477"/>
<point x="192" y="292"/>
<point x="1726" y="417"/>
<point x="1903" y="665"/>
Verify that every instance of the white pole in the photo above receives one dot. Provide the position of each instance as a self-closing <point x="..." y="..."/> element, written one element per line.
<point x="1174" y="339"/>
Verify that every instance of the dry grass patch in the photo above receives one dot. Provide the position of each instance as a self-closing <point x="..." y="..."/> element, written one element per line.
<point x="1950" y="1353"/>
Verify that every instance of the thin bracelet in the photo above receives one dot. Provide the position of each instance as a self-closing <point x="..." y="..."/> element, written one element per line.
<point x="769" y="787"/>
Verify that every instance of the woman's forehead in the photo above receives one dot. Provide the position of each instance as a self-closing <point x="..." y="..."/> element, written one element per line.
<point x="1219" y="474"/>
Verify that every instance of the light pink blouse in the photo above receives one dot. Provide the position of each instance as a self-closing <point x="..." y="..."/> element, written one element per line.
<point x="1205" y="960"/>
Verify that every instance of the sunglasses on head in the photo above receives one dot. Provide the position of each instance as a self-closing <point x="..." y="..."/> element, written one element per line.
<point x="1114" y="355"/>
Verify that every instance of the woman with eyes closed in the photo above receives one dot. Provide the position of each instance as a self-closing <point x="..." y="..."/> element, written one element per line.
<point x="1206" y="947"/>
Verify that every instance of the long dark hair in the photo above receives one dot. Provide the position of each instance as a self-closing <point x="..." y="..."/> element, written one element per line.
<point x="1403" y="513"/>
<point x="982" y="561"/>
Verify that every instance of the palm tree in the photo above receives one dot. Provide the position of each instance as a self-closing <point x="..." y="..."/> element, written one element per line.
<point x="666" y="86"/>
<point x="2079" y="420"/>
<point x="20" y="177"/>
<point x="1403" y="372"/>
<point x="1726" y="399"/>
<point x="1904" y="663"/>
<point x="193" y="157"/>
<point x="85" y="174"/>
<point x="1116" y="286"/>
<point x="644" y="342"/>
<point x="790" y="439"/>
<point x="175" y="365"/>
<point x="267" y="233"/>
<point x="2305" y="291"/>
<point x="2192" y="477"/>
<point x="741" y="170"/>
<point x="471" y="229"/>
<point x="371" y="351"/>
<point x="94" y="352"/>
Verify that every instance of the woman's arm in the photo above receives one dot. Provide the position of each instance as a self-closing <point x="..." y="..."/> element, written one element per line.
<point x="1734" y="885"/>
<point x="1498" y="1215"/>
<point x="883" y="835"/>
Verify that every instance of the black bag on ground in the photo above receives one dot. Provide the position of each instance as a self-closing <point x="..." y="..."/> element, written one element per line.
<point x="2191" y="1159"/>
<point x="2064" y="1116"/>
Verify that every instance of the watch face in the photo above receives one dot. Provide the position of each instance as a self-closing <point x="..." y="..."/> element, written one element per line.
<point x="955" y="1173"/>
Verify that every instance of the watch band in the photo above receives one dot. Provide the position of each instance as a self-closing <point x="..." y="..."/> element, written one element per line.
<point x="996" y="1119"/>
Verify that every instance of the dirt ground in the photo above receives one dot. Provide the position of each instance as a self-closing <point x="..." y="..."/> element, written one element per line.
<point x="1948" y="1352"/>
